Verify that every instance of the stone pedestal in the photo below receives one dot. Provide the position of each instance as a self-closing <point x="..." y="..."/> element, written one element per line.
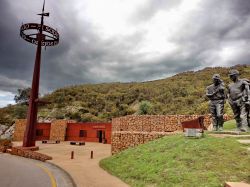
<point x="236" y="184"/>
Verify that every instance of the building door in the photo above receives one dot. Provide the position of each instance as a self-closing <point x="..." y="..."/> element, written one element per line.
<point x="99" y="135"/>
<point x="103" y="135"/>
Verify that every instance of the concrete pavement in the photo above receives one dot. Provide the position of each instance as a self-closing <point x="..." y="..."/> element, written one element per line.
<point x="84" y="171"/>
<point x="244" y="141"/>
<point x="21" y="172"/>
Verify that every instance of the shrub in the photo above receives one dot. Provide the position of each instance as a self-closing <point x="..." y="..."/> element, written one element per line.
<point x="145" y="108"/>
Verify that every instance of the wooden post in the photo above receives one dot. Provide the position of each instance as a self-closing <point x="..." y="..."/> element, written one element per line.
<point x="72" y="154"/>
<point x="91" y="155"/>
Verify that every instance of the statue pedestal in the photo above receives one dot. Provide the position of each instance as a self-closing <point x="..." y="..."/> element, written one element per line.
<point x="226" y="132"/>
<point x="236" y="184"/>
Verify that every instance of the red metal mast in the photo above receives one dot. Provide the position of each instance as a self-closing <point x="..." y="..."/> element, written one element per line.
<point x="40" y="40"/>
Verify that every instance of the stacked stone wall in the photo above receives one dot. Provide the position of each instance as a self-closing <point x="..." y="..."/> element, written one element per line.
<point x="58" y="130"/>
<point x="28" y="154"/>
<point x="125" y="139"/>
<point x="129" y="131"/>
<point x="20" y="125"/>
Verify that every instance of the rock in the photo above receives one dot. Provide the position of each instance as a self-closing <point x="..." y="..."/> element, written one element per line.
<point x="7" y="133"/>
<point x="2" y="129"/>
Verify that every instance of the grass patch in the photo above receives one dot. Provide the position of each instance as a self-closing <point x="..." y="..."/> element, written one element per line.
<point x="243" y="137"/>
<point x="181" y="162"/>
<point x="245" y="145"/>
<point x="229" y="125"/>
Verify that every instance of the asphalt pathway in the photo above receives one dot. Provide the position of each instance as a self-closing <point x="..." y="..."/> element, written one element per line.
<point x="21" y="172"/>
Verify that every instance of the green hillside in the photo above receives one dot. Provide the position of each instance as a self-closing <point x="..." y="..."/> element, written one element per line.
<point x="183" y="93"/>
<point x="176" y="161"/>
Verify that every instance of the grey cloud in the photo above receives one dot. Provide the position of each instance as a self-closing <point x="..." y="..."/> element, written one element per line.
<point x="207" y="30"/>
<point x="150" y="7"/>
<point x="240" y="7"/>
<point x="11" y="85"/>
<point x="81" y="49"/>
<point x="61" y="65"/>
<point x="15" y="59"/>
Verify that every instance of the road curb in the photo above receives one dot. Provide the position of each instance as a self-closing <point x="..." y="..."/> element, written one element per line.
<point x="63" y="170"/>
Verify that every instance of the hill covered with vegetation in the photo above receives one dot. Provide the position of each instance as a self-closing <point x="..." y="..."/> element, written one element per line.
<point x="183" y="93"/>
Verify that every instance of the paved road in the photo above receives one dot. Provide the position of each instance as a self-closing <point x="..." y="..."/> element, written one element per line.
<point x="85" y="171"/>
<point x="21" y="172"/>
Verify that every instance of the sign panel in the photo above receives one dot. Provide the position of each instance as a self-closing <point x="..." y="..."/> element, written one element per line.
<point x="53" y="39"/>
<point x="193" y="132"/>
<point x="99" y="126"/>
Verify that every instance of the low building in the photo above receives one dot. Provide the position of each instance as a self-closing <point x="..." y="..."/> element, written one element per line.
<point x="64" y="130"/>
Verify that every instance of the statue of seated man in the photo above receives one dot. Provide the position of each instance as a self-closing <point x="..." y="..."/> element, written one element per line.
<point x="216" y="94"/>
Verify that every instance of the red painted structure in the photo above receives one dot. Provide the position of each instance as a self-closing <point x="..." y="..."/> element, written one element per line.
<point x="43" y="131"/>
<point x="40" y="39"/>
<point x="197" y="123"/>
<point x="89" y="132"/>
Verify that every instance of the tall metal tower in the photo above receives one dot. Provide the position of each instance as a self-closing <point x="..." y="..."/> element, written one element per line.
<point x="40" y="35"/>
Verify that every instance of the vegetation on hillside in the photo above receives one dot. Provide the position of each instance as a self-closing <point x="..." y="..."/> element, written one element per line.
<point x="179" y="161"/>
<point x="183" y="93"/>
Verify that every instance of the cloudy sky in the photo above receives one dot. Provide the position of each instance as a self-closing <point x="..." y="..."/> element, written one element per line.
<point x="121" y="40"/>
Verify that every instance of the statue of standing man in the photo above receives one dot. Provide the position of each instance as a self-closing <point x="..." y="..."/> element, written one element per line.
<point x="216" y="94"/>
<point x="239" y="99"/>
<point x="247" y="102"/>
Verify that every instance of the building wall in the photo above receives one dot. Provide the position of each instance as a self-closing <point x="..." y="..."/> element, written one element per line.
<point x="73" y="131"/>
<point x="129" y="131"/>
<point x="20" y="126"/>
<point x="64" y="130"/>
<point x="45" y="127"/>
<point x="58" y="130"/>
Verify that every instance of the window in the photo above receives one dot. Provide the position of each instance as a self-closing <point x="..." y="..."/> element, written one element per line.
<point x="39" y="132"/>
<point x="83" y="133"/>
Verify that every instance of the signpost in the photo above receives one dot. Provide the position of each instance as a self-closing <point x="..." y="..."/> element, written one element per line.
<point x="194" y="127"/>
<point x="193" y="132"/>
<point x="40" y="35"/>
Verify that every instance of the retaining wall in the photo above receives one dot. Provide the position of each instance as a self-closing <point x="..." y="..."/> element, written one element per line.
<point x="129" y="131"/>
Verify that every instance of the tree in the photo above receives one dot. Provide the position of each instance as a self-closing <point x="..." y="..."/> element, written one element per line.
<point x="23" y="95"/>
<point x="145" y="108"/>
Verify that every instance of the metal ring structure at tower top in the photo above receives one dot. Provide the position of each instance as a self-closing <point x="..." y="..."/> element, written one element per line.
<point x="50" y="36"/>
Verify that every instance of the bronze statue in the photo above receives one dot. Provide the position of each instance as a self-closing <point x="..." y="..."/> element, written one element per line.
<point x="239" y="99"/>
<point x="216" y="94"/>
<point x="247" y="102"/>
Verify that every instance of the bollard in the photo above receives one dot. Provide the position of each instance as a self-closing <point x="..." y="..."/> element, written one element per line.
<point x="72" y="154"/>
<point x="91" y="156"/>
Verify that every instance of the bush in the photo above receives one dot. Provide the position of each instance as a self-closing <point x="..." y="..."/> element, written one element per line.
<point x="145" y="108"/>
<point x="20" y="111"/>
